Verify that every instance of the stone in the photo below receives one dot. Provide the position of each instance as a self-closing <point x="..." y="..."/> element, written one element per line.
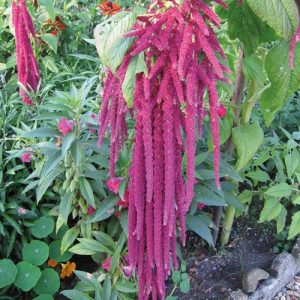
<point x="296" y="251"/>
<point x="238" y="295"/>
<point x="252" y="278"/>
<point x="281" y="263"/>
<point x="283" y="270"/>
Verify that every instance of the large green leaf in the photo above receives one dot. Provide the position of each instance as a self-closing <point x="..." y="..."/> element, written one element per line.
<point x="247" y="27"/>
<point x="36" y="252"/>
<point x="281" y="15"/>
<point x="136" y="65"/>
<point x="271" y="210"/>
<point x="48" y="283"/>
<point x="109" y="38"/>
<point x="279" y="190"/>
<point x="8" y="272"/>
<point x="247" y="140"/>
<point x="28" y="276"/>
<point x="75" y="295"/>
<point x="42" y="227"/>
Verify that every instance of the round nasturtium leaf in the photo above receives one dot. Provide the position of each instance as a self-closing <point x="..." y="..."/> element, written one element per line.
<point x="36" y="252"/>
<point x="49" y="282"/>
<point x="28" y="276"/>
<point x="42" y="227"/>
<point x="55" y="252"/>
<point x="8" y="272"/>
<point x="43" y="297"/>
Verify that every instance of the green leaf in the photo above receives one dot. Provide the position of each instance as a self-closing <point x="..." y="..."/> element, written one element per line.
<point x="28" y="276"/>
<point x="291" y="162"/>
<point x="67" y="142"/>
<point x="106" y="293"/>
<point x="184" y="286"/>
<point x="45" y="183"/>
<point x="281" y="15"/>
<point x="246" y="26"/>
<point x="89" y="247"/>
<point x="176" y="276"/>
<point x="281" y="219"/>
<point x="108" y="35"/>
<point x="40" y="133"/>
<point x="284" y="81"/>
<point x="258" y="175"/>
<point x="105" y="211"/>
<point x="69" y="237"/>
<point x="76" y="295"/>
<point x="126" y="287"/>
<point x="49" y="7"/>
<point x="56" y="254"/>
<point x="295" y="226"/>
<point x="279" y="190"/>
<point x="51" y="40"/>
<point x="196" y="224"/>
<point x="8" y="272"/>
<point x="233" y="201"/>
<point x="36" y="252"/>
<point x="136" y="65"/>
<point x="272" y="208"/>
<point x="49" y="282"/>
<point x="118" y="52"/>
<point x="87" y="192"/>
<point x="42" y="227"/>
<point x="51" y="164"/>
<point x="104" y="239"/>
<point x="247" y="140"/>
<point x="65" y="206"/>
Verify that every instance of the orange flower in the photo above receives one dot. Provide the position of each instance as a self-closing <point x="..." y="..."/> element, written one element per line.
<point x="109" y="8"/>
<point x="52" y="263"/>
<point x="67" y="269"/>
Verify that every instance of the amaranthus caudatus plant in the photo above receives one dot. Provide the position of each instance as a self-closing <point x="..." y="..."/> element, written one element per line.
<point x="28" y="72"/>
<point x="175" y="51"/>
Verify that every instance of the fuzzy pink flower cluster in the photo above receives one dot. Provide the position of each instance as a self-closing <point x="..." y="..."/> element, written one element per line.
<point x="180" y="50"/>
<point x="65" y="126"/>
<point x="28" y="72"/>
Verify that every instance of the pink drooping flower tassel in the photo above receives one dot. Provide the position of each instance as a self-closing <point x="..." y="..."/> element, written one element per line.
<point x="28" y="72"/>
<point x="168" y="108"/>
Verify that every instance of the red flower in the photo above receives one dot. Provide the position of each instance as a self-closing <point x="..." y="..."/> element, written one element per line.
<point x="65" y="126"/>
<point x="54" y="32"/>
<point x="106" y="264"/>
<point x="201" y="205"/>
<point x="91" y="210"/>
<point x="109" y="8"/>
<point x="26" y="157"/>
<point x="113" y="184"/>
<point x="222" y="111"/>
<point x="123" y="202"/>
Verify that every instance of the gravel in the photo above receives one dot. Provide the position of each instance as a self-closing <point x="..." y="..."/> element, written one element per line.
<point x="291" y="291"/>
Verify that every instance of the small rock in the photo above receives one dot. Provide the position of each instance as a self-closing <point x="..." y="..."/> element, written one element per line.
<point x="282" y="298"/>
<point x="238" y="295"/>
<point x="280" y="294"/>
<point x="281" y="263"/>
<point x="252" y="278"/>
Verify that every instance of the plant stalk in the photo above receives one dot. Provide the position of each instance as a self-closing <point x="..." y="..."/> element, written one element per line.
<point x="236" y="100"/>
